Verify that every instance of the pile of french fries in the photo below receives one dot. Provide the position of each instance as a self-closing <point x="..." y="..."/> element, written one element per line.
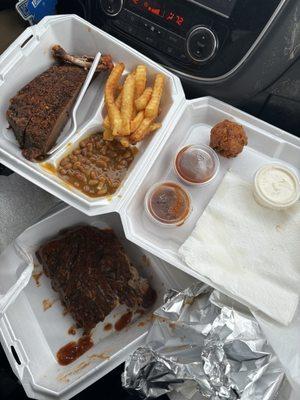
<point x="132" y="108"/>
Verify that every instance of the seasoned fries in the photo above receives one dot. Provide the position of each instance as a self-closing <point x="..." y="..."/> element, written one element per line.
<point x="131" y="115"/>
<point x="142" y="131"/>
<point x="140" y="80"/>
<point x="137" y="120"/>
<point x="127" y="104"/>
<point x="142" y="101"/>
<point x="153" y="127"/>
<point x="112" y="83"/>
<point x="106" y="123"/>
<point x="107" y="134"/>
<point x="151" y="110"/>
<point x="125" y="142"/>
<point x="119" y="100"/>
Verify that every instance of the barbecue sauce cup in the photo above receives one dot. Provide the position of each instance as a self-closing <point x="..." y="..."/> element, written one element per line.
<point x="196" y="164"/>
<point x="167" y="204"/>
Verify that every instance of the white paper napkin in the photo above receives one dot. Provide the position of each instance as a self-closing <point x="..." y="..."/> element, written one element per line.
<point x="251" y="251"/>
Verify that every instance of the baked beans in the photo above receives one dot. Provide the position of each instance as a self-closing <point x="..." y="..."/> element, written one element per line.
<point x="96" y="167"/>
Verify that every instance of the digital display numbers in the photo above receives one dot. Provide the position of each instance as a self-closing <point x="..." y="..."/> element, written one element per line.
<point x="156" y="8"/>
<point x="178" y="19"/>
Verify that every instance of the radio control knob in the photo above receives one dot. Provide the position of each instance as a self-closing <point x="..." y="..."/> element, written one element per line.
<point x="111" y="7"/>
<point x="202" y="44"/>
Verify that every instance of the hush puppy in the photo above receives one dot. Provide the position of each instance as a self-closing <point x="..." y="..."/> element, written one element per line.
<point x="228" y="138"/>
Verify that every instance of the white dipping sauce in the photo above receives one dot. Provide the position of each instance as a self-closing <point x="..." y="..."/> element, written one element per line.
<point x="276" y="186"/>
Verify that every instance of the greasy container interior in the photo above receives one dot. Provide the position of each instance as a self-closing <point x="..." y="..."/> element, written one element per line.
<point x="30" y="55"/>
<point x="265" y="144"/>
<point x="36" y="333"/>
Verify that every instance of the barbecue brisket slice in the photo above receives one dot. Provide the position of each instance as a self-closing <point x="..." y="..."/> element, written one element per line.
<point x="41" y="109"/>
<point x="92" y="274"/>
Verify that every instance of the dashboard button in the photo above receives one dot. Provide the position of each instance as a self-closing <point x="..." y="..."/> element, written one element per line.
<point x="119" y="23"/>
<point x="129" y="17"/>
<point x="124" y="26"/>
<point x="130" y="29"/>
<point x="175" y="40"/>
<point x="183" y="57"/>
<point x="111" y="7"/>
<point x="150" y="40"/>
<point x="170" y="50"/>
<point x="202" y="44"/>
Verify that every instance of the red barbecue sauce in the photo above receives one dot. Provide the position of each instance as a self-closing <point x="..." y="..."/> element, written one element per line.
<point x="73" y="350"/>
<point x="107" y="327"/>
<point x="195" y="165"/>
<point x="123" y="321"/>
<point x="169" y="203"/>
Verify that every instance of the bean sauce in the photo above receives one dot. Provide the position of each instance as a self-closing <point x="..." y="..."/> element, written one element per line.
<point x="96" y="167"/>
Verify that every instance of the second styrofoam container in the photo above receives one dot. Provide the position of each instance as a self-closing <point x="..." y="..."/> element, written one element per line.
<point x="31" y="335"/>
<point x="30" y="55"/>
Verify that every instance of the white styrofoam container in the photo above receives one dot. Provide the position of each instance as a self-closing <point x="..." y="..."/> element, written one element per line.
<point x="265" y="144"/>
<point x="36" y="335"/>
<point x="30" y="55"/>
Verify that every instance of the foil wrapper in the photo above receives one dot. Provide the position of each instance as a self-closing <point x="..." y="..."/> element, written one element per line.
<point x="201" y="348"/>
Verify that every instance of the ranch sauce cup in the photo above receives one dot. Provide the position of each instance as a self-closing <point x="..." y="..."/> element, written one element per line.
<point x="276" y="186"/>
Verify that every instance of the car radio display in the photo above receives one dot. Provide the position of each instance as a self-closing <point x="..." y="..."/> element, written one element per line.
<point x="171" y="12"/>
<point x="160" y="9"/>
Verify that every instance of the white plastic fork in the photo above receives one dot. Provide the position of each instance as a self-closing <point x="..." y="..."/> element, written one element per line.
<point x="73" y="127"/>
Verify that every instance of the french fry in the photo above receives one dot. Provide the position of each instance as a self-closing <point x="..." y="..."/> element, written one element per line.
<point x="142" y="101"/>
<point x="154" y="126"/>
<point x="114" y="114"/>
<point x="127" y="104"/>
<point x="125" y="142"/>
<point x="106" y="123"/>
<point x="119" y="100"/>
<point x="107" y="134"/>
<point x="151" y="110"/>
<point x="140" y="80"/>
<point x="141" y="131"/>
<point x="136" y="122"/>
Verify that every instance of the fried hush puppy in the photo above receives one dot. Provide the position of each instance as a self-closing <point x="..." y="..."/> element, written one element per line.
<point x="228" y="138"/>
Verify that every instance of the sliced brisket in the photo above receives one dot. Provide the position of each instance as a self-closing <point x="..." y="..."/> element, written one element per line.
<point x="41" y="109"/>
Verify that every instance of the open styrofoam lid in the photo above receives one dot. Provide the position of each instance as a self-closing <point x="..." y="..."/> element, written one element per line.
<point x="30" y="55"/>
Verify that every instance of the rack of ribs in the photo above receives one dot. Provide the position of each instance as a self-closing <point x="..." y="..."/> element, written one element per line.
<point x="90" y="270"/>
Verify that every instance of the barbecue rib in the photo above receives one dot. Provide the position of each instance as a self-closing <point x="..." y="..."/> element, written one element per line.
<point x="92" y="274"/>
<point x="40" y="110"/>
<point x="81" y="61"/>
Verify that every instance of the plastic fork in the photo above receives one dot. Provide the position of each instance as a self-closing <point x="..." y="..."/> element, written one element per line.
<point x="73" y="127"/>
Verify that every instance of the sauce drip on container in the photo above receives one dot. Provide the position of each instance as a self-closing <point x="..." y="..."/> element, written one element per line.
<point x="73" y="350"/>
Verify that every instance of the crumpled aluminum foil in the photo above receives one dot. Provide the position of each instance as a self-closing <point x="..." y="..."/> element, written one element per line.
<point x="201" y="348"/>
